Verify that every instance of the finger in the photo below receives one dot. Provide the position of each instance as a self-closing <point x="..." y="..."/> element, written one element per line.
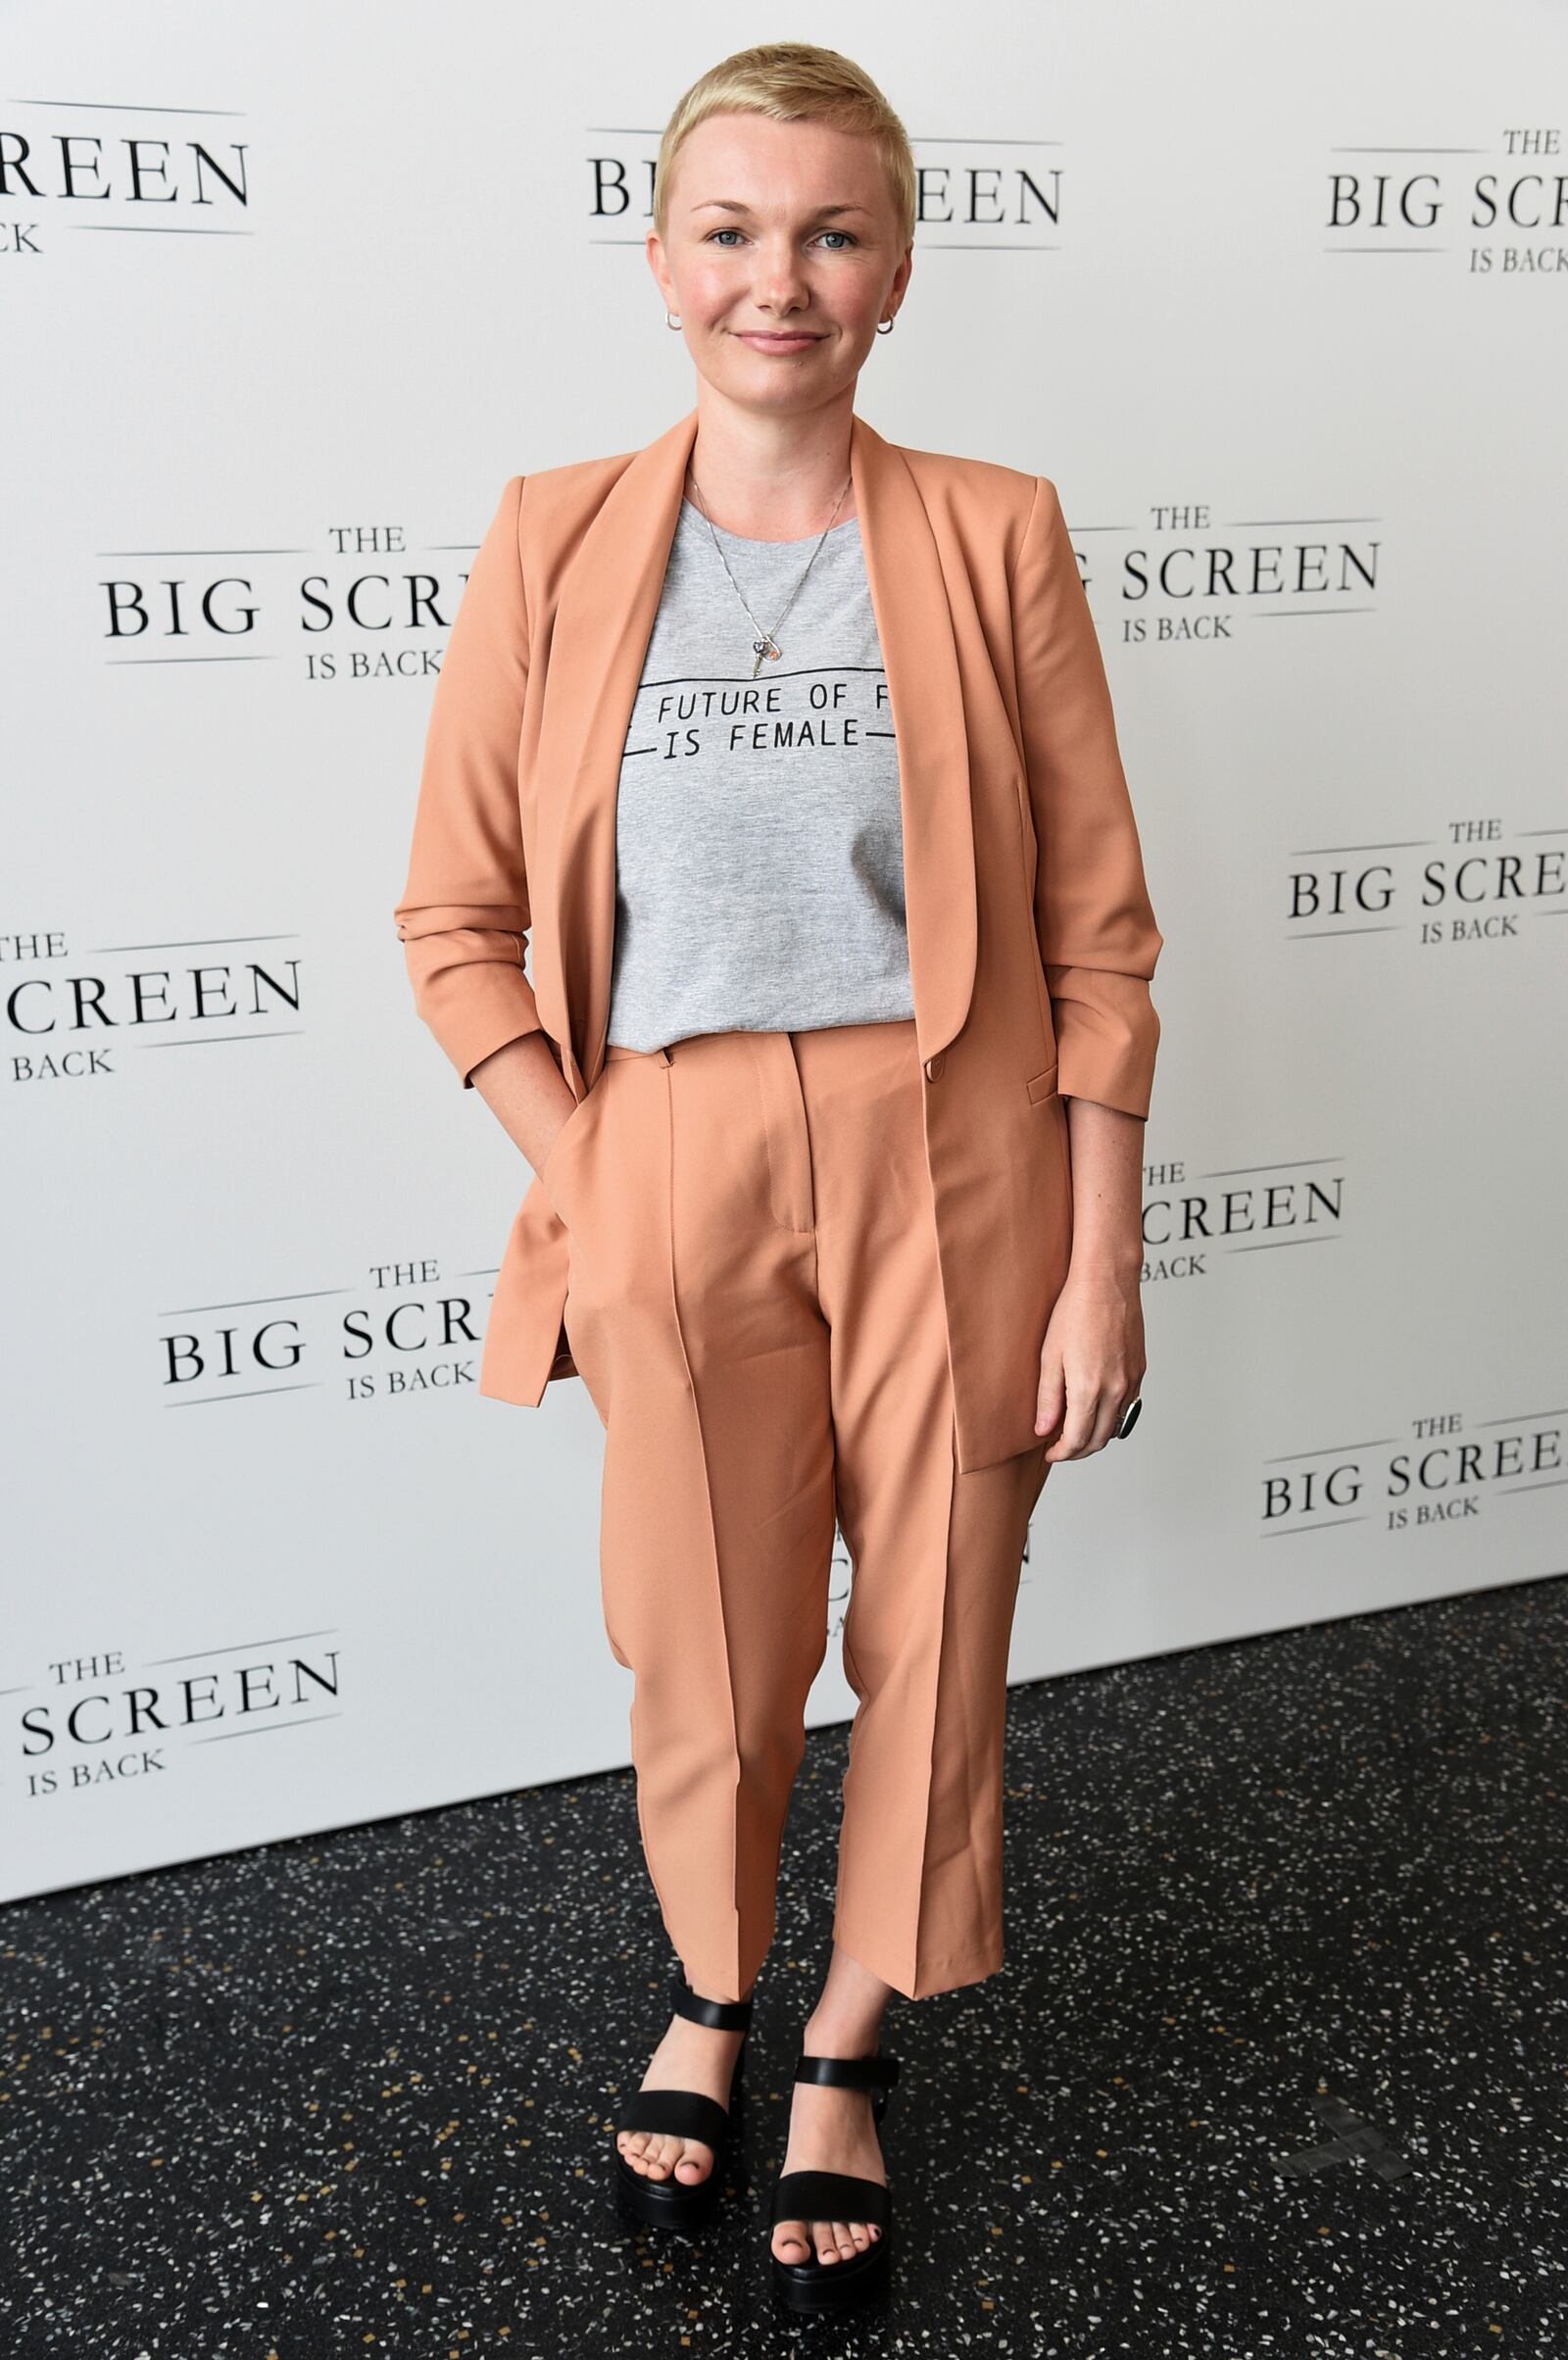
<point x="1130" y="1396"/>
<point x="1051" y="1394"/>
<point x="1078" y="1425"/>
<point x="1116" y="1400"/>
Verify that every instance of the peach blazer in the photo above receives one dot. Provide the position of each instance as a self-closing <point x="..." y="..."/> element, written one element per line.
<point x="1032" y="942"/>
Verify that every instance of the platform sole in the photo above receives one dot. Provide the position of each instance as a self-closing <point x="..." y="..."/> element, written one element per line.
<point x="651" y="2203"/>
<point x="822" y="2287"/>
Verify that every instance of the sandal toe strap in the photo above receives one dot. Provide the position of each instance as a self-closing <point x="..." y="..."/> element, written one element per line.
<point x="830" y="2196"/>
<point x="681" y="2113"/>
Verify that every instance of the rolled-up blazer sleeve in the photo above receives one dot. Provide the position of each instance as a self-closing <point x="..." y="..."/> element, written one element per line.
<point x="1097" y="936"/>
<point x="463" y="917"/>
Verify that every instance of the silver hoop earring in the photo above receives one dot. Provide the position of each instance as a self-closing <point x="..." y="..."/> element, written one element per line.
<point x="884" y="328"/>
<point x="671" y="319"/>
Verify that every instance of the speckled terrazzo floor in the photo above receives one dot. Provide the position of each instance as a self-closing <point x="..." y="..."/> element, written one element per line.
<point x="351" y="2094"/>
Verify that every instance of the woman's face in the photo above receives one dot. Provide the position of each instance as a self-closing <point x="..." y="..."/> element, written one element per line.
<point x="783" y="253"/>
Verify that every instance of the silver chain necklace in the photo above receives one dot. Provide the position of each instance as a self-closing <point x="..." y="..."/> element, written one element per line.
<point x="766" y="642"/>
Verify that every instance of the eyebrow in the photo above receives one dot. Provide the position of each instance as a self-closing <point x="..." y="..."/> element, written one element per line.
<point x="735" y="205"/>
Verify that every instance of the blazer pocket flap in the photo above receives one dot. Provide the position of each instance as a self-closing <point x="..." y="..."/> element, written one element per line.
<point x="1044" y="1085"/>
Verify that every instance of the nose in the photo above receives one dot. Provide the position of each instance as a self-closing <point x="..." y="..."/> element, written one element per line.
<point x="778" y="283"/>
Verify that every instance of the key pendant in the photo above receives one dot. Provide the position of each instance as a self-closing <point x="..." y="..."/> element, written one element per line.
<point x="763" y="647"/>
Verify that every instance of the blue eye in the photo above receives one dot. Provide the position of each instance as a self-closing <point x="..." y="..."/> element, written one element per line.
<point x="845" y="234"/>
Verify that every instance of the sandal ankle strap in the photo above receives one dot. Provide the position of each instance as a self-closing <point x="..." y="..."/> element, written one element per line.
<point x="719" y="2015"/>
<point x="848" y="2073"/>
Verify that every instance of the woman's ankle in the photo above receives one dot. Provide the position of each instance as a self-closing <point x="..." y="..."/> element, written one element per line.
<point x="721" y="1998"/>
<point x="840" y="2034"/>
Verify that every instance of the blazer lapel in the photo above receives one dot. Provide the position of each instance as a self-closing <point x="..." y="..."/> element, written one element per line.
<point x="920" y="657"/>
<point x="605" y="618"/>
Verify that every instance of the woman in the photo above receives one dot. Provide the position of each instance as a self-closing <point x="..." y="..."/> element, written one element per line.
<point x="794" y="751"/>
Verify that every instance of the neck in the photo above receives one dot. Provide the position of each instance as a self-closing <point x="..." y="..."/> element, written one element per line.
<point x="773" y="475"/>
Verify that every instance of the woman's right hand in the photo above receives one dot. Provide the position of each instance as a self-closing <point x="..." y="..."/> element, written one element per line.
<point x="527" y="1093"/>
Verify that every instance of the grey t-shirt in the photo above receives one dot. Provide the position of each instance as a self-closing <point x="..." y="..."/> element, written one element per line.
<point x="759" y="832"/>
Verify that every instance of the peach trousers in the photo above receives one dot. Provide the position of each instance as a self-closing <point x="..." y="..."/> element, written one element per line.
<point x="755" y="1309"/>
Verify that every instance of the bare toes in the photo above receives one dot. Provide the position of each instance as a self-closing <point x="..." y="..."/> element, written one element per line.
<point x="831" y="2240"/>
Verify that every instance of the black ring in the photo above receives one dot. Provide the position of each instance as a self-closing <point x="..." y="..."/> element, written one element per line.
<point x="1129" y="1417"/>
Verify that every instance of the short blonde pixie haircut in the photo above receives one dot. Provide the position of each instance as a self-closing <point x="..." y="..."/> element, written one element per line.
<point x="792" y="81"/>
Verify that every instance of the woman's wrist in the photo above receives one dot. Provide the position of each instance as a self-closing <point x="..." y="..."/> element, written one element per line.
<point x="527" y="1093"/>
<point x="1111" y="1263"/>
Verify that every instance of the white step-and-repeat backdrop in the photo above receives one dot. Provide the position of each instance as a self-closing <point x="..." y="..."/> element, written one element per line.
<point x="1276" y="296"/>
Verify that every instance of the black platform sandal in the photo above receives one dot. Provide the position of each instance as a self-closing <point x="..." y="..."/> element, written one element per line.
<point x="816" y="2285"/>
<point x="672" y="2203"/>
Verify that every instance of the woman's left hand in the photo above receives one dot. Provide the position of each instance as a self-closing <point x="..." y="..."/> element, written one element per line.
<point x="1092" y="1363"/>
